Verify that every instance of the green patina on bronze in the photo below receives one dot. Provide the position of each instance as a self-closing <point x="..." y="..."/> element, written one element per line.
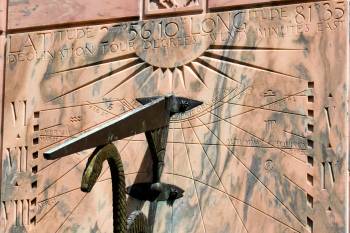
<point x="137" y="221"/>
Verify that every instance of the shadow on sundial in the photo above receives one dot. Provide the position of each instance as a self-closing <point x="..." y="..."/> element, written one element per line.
<point x="139" y="120"/>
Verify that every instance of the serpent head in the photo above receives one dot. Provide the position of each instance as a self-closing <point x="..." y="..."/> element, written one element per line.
<point x="174" y="193"/>
<point x="92" y="170"/>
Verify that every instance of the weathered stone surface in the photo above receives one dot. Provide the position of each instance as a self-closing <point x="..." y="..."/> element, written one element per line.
<point x="39" y="13"/>
<point x="3" y="15"/>
<point x="266" y="152"/>
<point x="229" y="3"/>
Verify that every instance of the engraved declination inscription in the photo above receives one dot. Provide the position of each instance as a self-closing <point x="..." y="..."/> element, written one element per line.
<point x="295" y="20"/>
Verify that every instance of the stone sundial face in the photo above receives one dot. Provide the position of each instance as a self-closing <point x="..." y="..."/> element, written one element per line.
<point x="261" y="154"/>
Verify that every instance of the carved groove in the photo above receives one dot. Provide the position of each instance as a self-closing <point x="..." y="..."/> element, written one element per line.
<point x="310" y="200"/>
<point x="310" y="225"/>
<point x="332" y="172"/>
<point x="328" y="117"/>
<point x="323" y="176"/>
<point x="310" y="179"/>
<point x="310" y="158"/>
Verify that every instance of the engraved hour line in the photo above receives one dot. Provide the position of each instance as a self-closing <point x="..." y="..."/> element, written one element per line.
<point x="240" y="63"/>
<point x="264" y="105"/>
<point x="251" y="206"/>
<point x="105" y="110"/>
<point x="282" y="150"/>
<point x="76" y="134"/>
<point x="78" y="105"/>
<point x="89" y="104"/>
<point x="211" y="144"/>
<point x="120" y="152"/>
<point x="205" y="111"/>
<point x="100" y="180"/>
<point x="194" y="182"/>
<point x="71" y="212"/>
<point x="39" y="220"/>
<point x="273" y="102"/>
<point x="80" y="201"/>
<point x="206" y="65"/>
<point x="144" y="66"/>
<point x="127" y="66"/>
<point x="294" y="134"/>
<point x="267" y="109"/>
<point x="234" y="207"/>
<point x="51" y="126"/>
<point x="78" y="188"/>
<point x="110" y="210"/>
<point x="114" y="59"/>
<point x="147" y="79"/>
<point x="254" y="175"/>
<point x="233" y="47"/>
<point x="48" y="165"/>
<point x="53" y="136"/>
<point x="59" y="178"/>
<point x="291" y="181"/>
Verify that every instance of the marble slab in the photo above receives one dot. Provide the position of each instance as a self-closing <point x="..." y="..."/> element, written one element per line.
<point x="267" y="151"/>
<point x="41" y="13"/>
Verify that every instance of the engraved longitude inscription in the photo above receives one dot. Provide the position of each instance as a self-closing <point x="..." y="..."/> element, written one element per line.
<point x="265" y="152"/>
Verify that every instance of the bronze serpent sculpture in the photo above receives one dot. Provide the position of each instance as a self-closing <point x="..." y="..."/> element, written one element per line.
<point x="137" y="221"/>
<point x="140" y="120"/>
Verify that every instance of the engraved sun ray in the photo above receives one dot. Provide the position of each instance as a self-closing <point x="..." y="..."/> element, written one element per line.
<point x="195" y="74"/>
<point x="245" y="64"/>
<point x="182" y="76"/>
<point x="130" y="65"/>
<point x="114" y="59"/>
<point x="137" y="72"/>
<point x="205" y="64"/>
<point x="233" y="47"/>
<point x="154" y="72"/>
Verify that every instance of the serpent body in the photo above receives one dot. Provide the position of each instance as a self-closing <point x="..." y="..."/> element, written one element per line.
<point x="137" y="221"/>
